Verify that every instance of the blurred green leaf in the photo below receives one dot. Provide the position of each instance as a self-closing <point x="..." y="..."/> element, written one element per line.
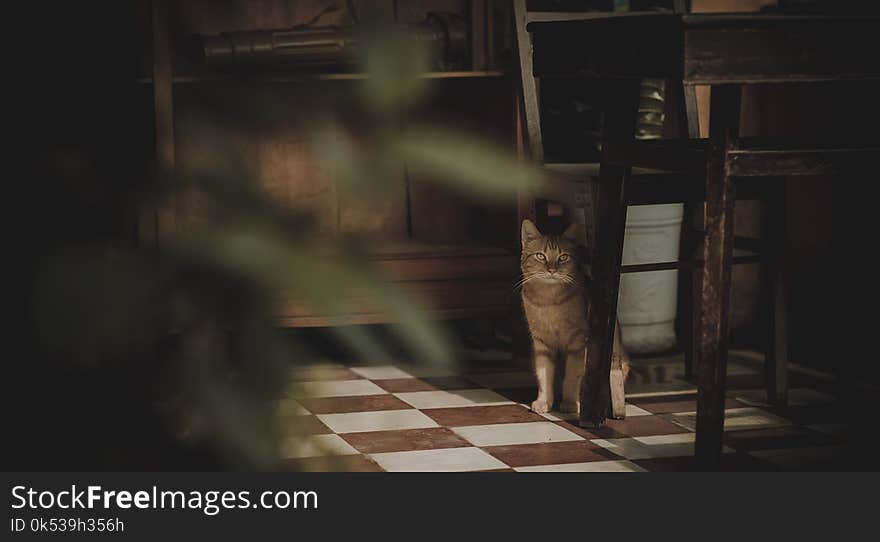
<point x="468" y="164"/>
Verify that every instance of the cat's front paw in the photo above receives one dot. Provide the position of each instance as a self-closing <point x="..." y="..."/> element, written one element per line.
<point x="541" y="406"/>
<point x="570" y="406"/>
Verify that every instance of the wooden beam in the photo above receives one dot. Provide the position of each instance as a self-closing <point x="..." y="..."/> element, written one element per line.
<point x="531" y="109"/>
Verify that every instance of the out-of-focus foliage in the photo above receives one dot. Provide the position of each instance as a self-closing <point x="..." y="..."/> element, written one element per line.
<point x="172" y="357"/>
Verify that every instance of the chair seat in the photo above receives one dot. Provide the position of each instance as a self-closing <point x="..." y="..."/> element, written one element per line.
<point x="751" y="157"/>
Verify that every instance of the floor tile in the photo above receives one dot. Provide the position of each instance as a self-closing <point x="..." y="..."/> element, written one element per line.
<point x="735" y="419"/>
<point x="515" y="433"/>
<point x="550" y="453"/>
<point x="383" y="420"/>
<point x="427" y="383"/>
<point x="643" y="426"/>
<point x="446" y="460"/>
<point x="333" y="388"/>
<point x="796" y="397"/>
<point x="452" y="398"/>
<point x="519" y="395"/>
<point x="381" y="372"/>
<point x="299" y="425"/>
<point x="358" y="403"/>
<point x="812" y="457"/>
<point x="556" y="416"/>
<point x="518" y="379"/>
<point x="289" y="407"/>
<point x="296" y="447"/>
<point x="593" y="466"/>
<point x="405" y="440"/>
<point x="327" y="371"/>
<point x="775" y="437"/>
<point x="652" y="446"/>
<point x="735" y="462"/>
<point x="677" y="403"/>
<point x="430" y="371"/>
<point x="590" y="434"/>
<point x="333" y="463"/>
<point x="481" y="415"/>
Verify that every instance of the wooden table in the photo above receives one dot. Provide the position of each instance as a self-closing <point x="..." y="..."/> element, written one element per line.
<point x="725" y="52"/>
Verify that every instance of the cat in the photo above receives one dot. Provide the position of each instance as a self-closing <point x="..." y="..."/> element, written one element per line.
<point x="555" y="305"/>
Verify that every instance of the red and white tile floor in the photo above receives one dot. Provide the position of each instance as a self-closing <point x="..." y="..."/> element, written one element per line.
<point x="413" y="418"/>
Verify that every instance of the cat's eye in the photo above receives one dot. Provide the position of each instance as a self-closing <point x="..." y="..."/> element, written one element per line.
<point x="563" y="258"/>
<point x="540" y="257"/>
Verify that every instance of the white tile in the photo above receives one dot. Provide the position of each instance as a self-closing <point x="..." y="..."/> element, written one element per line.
<point x="649" y="447"/>
<point x="559" y="416"/>
<point x="735" y="419"/>
<point x="382" y="420"/>
<point x="445" y="460"/>
<point x="314" y="446"/>
<point x="591" y="466"/>
<point x="428" y="371"/>
<point x="453" y="398"/>
<point x="502" y="434"/>
<point x="519" y="379"/>
<point x="631" y="411"/>
<point x="334" y="388"/>
<point x="381" y="372"/>
<point x="289" y="407"/>
<point x="803" y="458"/>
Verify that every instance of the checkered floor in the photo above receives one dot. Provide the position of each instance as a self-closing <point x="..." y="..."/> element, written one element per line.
<point x="412" y="418"/>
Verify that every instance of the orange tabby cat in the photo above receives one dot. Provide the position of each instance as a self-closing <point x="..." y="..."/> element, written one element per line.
<point x="556" y="310"/>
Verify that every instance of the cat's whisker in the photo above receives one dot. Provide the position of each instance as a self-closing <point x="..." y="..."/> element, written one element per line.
<point x="523" y="282"/>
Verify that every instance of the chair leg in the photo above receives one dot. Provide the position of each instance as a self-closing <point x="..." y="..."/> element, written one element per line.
<point x="610" y="214"/>
<point x="715" y="295"/>
<point x="776" y="354"/>
<point x="688" y="296"/>
<point x="689" y="279"/>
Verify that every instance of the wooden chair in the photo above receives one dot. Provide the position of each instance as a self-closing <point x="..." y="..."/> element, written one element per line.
<point x="647" y="187"/>
<point x="725" y="52"/>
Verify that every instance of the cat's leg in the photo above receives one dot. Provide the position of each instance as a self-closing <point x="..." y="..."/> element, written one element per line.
<point x="575" y="366"/>
<point x="544" y="371"/>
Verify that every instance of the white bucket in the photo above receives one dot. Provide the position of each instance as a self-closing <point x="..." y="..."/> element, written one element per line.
<point x="647" y="302"/>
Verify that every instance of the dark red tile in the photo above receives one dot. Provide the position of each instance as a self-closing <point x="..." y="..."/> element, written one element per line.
<point x="316" y="373"/>
<point x="403" y="385"/>
<point x="362" y="403"/>
<point x="523" y="395"/>
<point x="374" y="442"/>
<point x="679" y="404"/>
<point x="482" y="415"/>
<point x="550" y="453"/>
<point x="339" y="463"/>
<point x="644" y="426"/>
<point x="776" y="438"/>
<point x="300" y="425"/>
<point x="589" y="434"/>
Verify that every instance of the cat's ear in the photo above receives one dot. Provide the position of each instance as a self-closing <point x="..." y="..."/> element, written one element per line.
<point x="571" y="233"/>
<point x="529" y="232"/>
